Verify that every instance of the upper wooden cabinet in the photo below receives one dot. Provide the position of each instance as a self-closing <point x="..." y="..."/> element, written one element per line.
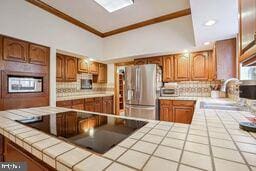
<point x="140" y="61"/>
<point x="94" y="68"/>
<point x="155" y="60"/>
<point x="247" y="24"/>
<point x="70" y="69"/>
<point x="83" y="66"/>
<point x="66" y="68"/>
<point x="225" y="52"/>
<point x="200" y="66"/>
<point x="38" y="54"/>
<point x="102" y="76"/>
<point x="152" y="60"/>
<point x="15" y="50"/>
<point x="168" y="68"/>
<point x="60" y="67"/>
<point x="181" y="67"/>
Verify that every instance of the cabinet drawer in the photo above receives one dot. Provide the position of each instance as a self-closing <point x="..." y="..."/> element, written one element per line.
<point x="97" y="99"/>
<point x="78" y="101"/>
<point x="166" y="102"/>
<point x="89" y="100"/>
<point x="64" y="103"/>
<point x="183" y="103"/>
<point x="108" y="98"/>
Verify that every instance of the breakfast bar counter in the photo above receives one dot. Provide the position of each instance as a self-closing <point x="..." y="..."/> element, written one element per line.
<point x="213" y="141"/>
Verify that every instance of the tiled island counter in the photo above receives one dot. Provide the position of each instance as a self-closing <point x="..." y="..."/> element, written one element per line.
<point x="213" y="141"/>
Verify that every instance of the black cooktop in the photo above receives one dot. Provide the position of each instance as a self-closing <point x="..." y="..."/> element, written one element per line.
<point x="91" y="131"/>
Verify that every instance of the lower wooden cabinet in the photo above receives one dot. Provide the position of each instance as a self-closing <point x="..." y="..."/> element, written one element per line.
<point x="177" y="111"/>
<point x="14" y="153"/>
<point x="1" y="148"/>
<point x="98" y="104"/>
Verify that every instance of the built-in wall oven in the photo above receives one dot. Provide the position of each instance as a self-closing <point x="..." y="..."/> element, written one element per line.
<point x="20" y="84"/>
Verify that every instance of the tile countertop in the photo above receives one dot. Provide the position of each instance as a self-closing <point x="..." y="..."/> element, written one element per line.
<point x="212" y="142"/>
<point x="84" y="96"/>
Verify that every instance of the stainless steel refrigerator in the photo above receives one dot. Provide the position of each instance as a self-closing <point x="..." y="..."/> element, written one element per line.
<point x="142" y="88"/>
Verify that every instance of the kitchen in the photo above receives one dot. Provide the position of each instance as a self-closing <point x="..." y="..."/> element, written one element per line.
<point x="85" y="94"/>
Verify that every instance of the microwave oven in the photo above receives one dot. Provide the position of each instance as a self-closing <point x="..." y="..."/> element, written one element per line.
<point x="18" y="84"/>
<point x="86" y="83"/>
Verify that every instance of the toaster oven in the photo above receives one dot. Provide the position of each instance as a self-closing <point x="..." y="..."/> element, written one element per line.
<point x="169" y="92"/>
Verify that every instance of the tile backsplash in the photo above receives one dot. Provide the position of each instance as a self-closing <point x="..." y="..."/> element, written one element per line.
<point x="196" y="88"/>
<point x="72" y="88"/>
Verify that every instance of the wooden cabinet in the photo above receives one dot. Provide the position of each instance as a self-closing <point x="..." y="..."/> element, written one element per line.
<point x="1" y="148"/>
<point x="94" y="68"/>
<point x="168" y="68"/>
<point x="166" y="113"/>
<point x="183" y="114"/>
<point x="181" y="67"/>
<point x="66" y="68"/>
<point x="83" y="66"/>
<point x="155" y="60"/>
<point x="70" y="69"/>
<point x="107" y="105"/>
<point x="176" y="111"/>
<point x="225" y="52"/>
<point x="151" y="60"/>
<point x="200" y="66"/>
<point x="66" y="103"/>
<point x="102" y="74"/>
<point x="14" y="153"/>
<point x="140" y="61"/>
<point x="247" y="24"/>
<point x="78" y="104"/>
<point x="38" y="54"/>
<point x="15" y="50"/>
<point x="89" y="104"/>
<point x="60" y="68"/>
<point x="98" y="104"/>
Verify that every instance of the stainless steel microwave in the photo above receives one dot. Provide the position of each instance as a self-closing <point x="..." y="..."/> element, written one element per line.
<point x="86" y="83"/>
<point x="24" y="84"/>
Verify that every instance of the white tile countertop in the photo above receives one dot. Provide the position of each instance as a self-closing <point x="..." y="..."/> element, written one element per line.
<point x="212" y="142"/>
<point x="84" y="96"/>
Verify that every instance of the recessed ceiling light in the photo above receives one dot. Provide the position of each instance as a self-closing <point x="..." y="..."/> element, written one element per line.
<point x="114" y="5"/>
<point x="206" y="43"/>
<point x="210" y="23"/>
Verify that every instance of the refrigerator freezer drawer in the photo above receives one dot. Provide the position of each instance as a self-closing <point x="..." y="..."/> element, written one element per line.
<point x="145" y="112"/>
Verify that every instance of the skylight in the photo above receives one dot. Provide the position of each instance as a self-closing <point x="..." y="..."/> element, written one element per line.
<point x="114" y="5"/>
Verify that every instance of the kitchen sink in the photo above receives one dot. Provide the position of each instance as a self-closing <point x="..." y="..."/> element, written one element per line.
<point x="221" y="106"/>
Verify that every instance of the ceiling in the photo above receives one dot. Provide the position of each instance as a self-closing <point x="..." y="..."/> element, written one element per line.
<point x="92" y="14"/>
<point x="225" y="12"/>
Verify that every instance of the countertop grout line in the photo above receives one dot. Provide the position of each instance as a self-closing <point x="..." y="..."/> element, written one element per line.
<point x="157" y="145"/>
<point x="210" y="145"/>
<point x="238" y="149"/>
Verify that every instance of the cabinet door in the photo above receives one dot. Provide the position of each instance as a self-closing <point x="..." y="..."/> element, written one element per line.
<point x="70" y="69"/>
<point x="15" y="50"/>
<point x="168" y="69"/>
<point x="110" y="106"/>
<point x="1" y="148"/>
<point x="94" y="68"/>
<point x="140" y="61"/>
<point x="83" y="66"/>
<point x="156" y="60"/>
<point x="181" y="68"/>
<point x="38" y="54"/>
<point x="226" y="59"/>
<point x="166" y="110"/>
<point x="183" y="114"/>
<point x="60" y="68"/>
<point x="78" y="106"/>
<point x="98" y="105"/>
<point x="199" y="66"/>
<point x="89" y="105"/>
<point x="102" y="76"/>
<point x="212" y="66"/>
<point x="247" y="24"/>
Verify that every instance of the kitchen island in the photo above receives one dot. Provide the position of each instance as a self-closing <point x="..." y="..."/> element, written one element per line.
<point x="213" y="141"/>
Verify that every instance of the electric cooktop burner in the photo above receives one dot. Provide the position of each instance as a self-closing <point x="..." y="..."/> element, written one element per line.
<point x="91" y="131"/>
